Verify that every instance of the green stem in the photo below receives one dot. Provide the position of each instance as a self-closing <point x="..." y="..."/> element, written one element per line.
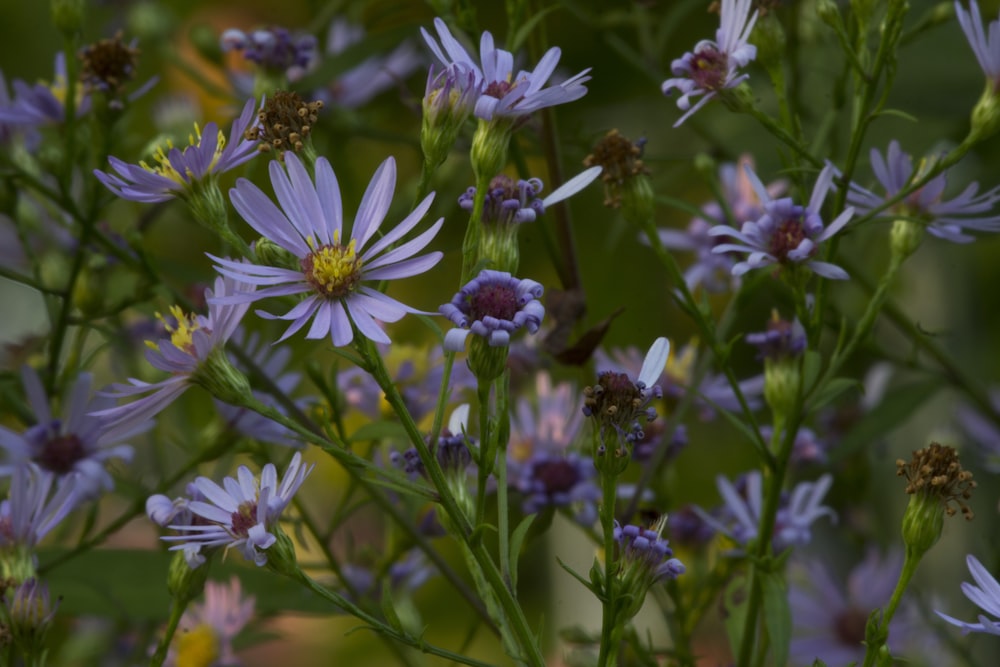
<point x="176" y="611"/>
<point x="377" y="625"/>
<point x="470" y="244"/>
<point x="610" y="627"/>
<point x="910" y="562"/>
<point x="503" y="513"/>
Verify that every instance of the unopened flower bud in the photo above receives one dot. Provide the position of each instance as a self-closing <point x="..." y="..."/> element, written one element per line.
<point x="67" y="15"/>
<point x="29" y="616"/>
<point x="223" y="380"/>
<point x="904" y="238"/>
<point x="769" y="38"/>
<point x="489" y="147"/>
<point x="986" y="114"/>
<point x="183" y="582"/>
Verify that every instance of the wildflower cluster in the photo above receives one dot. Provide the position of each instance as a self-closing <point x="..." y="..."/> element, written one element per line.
<point x="401" y="345"/>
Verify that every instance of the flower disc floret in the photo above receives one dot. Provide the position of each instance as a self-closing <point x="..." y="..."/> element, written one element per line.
<point x="333" y="265"/>
<point x="493" y="305"/>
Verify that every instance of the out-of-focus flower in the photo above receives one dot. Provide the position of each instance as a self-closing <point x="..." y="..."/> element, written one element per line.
<point x="786" y="234"/>
<point x="274" y="49"/>
<point x="986" y="48"/>
<point x="504" y="93"/>
<point x="981" y="432"/>
<point x="714" y="66"/>
<point x="493" y="305"/>
<point x="985" y="595"/>
<point x="359" y="84"/>
<point x="619" y="159"/>
<point x="742" y="504"/>
<point x="78" y="444"/>
<point x="193" y="354"/>
<point x="714" y="270"/>
<point x="43" y="103"/>
<point x="829" y="619"/>
<point x="807" y="448"/>
<point x="206" y="630"/>
<point x="178" y="171"/>
<point x="108" y="65"/>
<point x="34" y="506"/>
<point x="944" y="219"/>
<point x="781" y="340"/>
<point x="242" y="513"/>
<point x="541" y="466"/>
<point x="28" y="614"/>
<point x="309" y="225"/>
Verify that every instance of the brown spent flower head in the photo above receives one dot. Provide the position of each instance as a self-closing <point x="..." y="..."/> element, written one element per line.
<point x="108" y="65"/>
<point x="619" y="158"/>
<point x="936" y="471"/>
<point x="285" y="122"/>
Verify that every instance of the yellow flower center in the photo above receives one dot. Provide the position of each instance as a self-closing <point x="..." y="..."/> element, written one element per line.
<point x="333" y="269"/>
<point x="181" y="333"/>
<point x="198" y="648"/>
<point x="680" y="366"/>
<point x="161" y="155"/>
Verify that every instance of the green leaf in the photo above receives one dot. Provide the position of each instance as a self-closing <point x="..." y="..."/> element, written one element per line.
<point x="812" y="363"/>
<point x="777" y="615"/>
<point x="132" y="584"/>
<point x="834" y="388"/>
<point x="381" y="430"/>
<point x="734" y="606"/>
<point x="388" y="606"/>
<point x="577" y="576"/>
<point x="897" y="406"/>
<point x="898" y="113"/>
<point x="516" y="540"/>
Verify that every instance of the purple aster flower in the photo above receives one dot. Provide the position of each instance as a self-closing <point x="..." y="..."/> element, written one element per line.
<point x="985" y="595"/>
<point x="740" y="515"/>
<point x="274" y="49"/>
<point x="177" y="171"/>
<point x="36" y="503"/>
<point x="645" y="550"/>
<point x="42" y="104"/>
<point x="714" y="66"/>
<point x="359" y="84"/>
<point x="242" y="512"/>
<point x="806" y="449"/>
<point x="781" y="340"/>
<point x="558" y="480"/>
<point x="945" y="219"/>
<point x="194" y="342"/>
<point x="617" y="403"/>
<point x="829" y="618"/>
<point x="715" y="270"/>
<point x="516" y="202"/>
<point x="987" y="49"/>
<point x="982" y="432"/>
<point x="786" y="234"/>
<point x="213" y="623"/>
<point x="451" y="450"/>
<point x="505" y="94"/>
<point x="333" y="268"/>
<point x="405" y="575"/>
<point x="493" y="305"/>
<point x="78" y="444"/>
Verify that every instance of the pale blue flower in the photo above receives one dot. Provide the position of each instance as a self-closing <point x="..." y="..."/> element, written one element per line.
<point x="493" y="305"/>
<point x="787" y="234"/>
<point x="177" y="171"/>
<point x="986" y="48"/>
<point x="242" y="512"/>
<point x="714" y="66"/>
<point x="985" y="595"/>
<point x="42" y="103"/>
<point x="504" y="93"/>
<point x="35" y="505"/>
<point x="945" y="219"/>
<point x="333" y="267"/>
<point x="76" y="444"/>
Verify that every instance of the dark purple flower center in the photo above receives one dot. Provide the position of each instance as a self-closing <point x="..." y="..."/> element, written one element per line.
<point x="498" y="89"/>
<point x="849" y="626"/>
<point x="244" y="518"/>
<point x="557" y="476"/>
<point x="60" y="454"/>
<point x="493" y="300"/>
<point x="788" y="234"/>
<point x="709" y="68"/>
